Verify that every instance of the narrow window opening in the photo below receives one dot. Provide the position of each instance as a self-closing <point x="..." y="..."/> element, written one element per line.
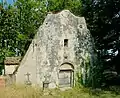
<point x="65" y="42"/>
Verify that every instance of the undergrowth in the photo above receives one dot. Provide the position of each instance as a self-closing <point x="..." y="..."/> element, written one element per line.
<point x="21" y="91"/>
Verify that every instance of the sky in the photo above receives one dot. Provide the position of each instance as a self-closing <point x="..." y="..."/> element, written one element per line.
<point x="8" y="1"/>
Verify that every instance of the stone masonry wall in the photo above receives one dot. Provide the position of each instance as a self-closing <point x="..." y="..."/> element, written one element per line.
<point x="51" y="50"/>
<point x="44" y="60"/>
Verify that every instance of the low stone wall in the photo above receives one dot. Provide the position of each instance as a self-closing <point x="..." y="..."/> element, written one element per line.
<point x="2" y="81"/>
<point x="10" y="79"/>
<point x="7" y="80"/>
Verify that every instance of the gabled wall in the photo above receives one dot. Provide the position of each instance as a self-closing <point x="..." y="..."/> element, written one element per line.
<point x="28" y="65"/>
<point x="43" y="60"/>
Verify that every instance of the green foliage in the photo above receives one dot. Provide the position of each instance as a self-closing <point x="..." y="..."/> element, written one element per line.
<point x="22" y="91"/>
<point x="58" y="5"/>
<point x="87" y="72"/>
<point x="103" y="21"/>
<point x="18" y="25"/>
<point x="79" y="80"/>
<point x="84" y="75"/>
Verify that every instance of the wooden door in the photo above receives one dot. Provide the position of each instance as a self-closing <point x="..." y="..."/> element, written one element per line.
<point x="65" y="78"/>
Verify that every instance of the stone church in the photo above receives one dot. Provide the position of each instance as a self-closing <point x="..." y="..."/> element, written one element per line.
<point x="62" y="44"/>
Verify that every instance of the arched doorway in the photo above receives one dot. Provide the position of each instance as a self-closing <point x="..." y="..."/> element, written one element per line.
<point x="66" y="75"/>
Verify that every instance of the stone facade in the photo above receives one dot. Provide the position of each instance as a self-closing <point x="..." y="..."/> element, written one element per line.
<point x="62" y="44"/>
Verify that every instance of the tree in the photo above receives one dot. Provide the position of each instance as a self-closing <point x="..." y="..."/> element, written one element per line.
<point x="103" y="21"/>
<point x="58" y="5"/>
<point x="29" y="18"/>
<point x="18" y="24"/>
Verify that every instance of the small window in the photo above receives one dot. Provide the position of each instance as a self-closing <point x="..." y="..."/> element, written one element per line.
<point x="66" y="42"/>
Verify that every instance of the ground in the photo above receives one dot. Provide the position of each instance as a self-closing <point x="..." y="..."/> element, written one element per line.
<point x="35" y="92"/>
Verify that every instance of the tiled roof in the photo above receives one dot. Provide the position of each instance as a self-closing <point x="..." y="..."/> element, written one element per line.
<point x="12" y="60"/>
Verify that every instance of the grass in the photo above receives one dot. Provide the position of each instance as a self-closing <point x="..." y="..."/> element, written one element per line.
<point x="35" y="92"/>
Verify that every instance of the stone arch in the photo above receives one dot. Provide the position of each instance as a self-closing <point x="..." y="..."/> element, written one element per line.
<point x="66" y="66"/>
<point x="66" y="75"/>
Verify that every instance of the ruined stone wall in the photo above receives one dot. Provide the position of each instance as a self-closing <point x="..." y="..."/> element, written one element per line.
<point x="49" y="54"/>
<point x="51" y="50"/>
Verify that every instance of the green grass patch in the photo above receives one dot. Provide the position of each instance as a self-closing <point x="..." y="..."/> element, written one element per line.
<point x="21" y="91"/>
